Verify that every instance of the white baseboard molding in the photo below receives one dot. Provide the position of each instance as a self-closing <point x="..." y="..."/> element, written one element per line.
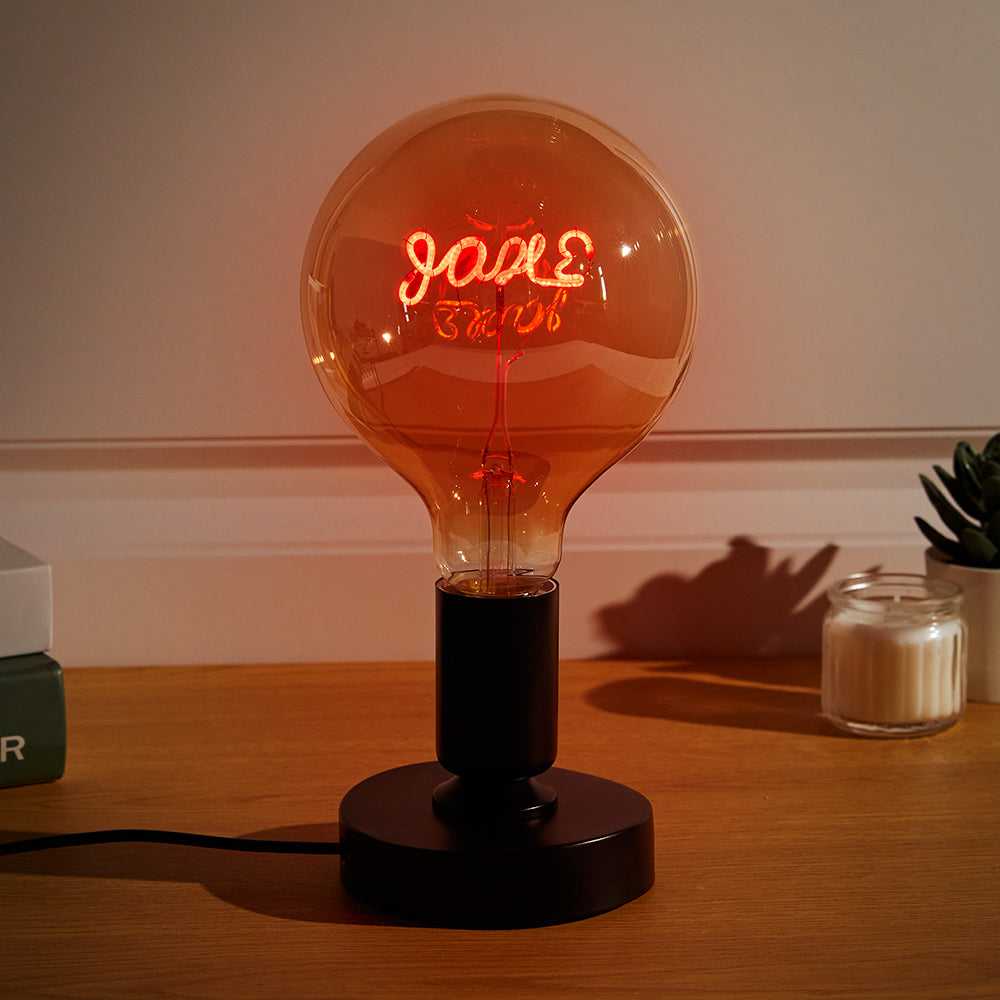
<point x="255" y="551"/>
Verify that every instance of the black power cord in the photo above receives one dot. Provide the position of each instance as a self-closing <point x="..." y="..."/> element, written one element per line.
<point x="169" y="837"/>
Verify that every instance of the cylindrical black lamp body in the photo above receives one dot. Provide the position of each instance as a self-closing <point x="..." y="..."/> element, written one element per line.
<point x="497" y="683"/>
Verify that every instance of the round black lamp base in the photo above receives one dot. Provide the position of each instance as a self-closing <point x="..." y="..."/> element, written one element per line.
<point x="592" y="854"/>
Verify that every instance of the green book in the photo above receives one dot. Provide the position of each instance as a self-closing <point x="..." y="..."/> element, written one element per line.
<point x="32" y="720"/>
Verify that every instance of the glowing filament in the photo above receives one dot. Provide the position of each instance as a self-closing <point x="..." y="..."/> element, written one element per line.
<point x="465" y="261"/>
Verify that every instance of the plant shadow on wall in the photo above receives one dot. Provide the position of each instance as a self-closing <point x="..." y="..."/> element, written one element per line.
<point x="736" y="606"/>
<point x="743" y="639"/>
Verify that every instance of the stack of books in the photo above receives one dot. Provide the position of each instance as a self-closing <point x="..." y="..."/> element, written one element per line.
<point x="32" y="705"/>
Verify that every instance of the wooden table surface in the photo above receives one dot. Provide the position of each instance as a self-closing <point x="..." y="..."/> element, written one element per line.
<point x="791" y="861"/>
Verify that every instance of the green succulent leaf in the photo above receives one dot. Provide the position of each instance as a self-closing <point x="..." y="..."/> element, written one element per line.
<point x="993" y="528"/>
<point x="970" y="504"/>
<point x="992" y="448"/>
<point x="953" y="520"/>
<point x="966" y="463"/>
<point x="991" y="496"/>
<point x="942" y="543"/>
<point x="979" y="547"/>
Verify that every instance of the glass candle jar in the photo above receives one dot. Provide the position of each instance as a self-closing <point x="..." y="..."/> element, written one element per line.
<point x="894" y="652"/>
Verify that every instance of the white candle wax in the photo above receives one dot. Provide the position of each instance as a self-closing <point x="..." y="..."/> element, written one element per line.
<point x="892" y="674"/>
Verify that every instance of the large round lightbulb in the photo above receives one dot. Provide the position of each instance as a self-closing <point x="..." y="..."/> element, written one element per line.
<point x="498" y="295"/>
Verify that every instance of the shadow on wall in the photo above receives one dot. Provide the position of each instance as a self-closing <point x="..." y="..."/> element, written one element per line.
<point x="735" y="607"/>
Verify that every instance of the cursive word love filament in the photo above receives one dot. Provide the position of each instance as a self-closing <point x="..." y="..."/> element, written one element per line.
<point x="465" y="261"/>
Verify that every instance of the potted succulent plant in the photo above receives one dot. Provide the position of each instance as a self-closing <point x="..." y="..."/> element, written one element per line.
<point x="969" y="507"/>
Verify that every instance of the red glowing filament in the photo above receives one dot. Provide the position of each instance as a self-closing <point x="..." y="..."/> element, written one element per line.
<point x="465" y="261"/>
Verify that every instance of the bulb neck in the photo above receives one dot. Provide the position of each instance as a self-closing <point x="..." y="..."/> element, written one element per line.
<point x="497" y="702"/>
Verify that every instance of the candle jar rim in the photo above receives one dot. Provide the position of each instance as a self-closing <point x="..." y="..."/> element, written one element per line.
<point x="897" y="596"/>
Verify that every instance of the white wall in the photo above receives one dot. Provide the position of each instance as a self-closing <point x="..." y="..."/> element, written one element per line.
<point x="167" y="448"/>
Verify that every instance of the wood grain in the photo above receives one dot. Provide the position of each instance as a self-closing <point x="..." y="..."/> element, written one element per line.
<point x="791" y="861"/>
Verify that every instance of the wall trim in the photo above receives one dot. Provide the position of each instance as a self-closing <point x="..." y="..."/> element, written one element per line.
<point x="249" y="549"/>
<point x="41" y="454"/>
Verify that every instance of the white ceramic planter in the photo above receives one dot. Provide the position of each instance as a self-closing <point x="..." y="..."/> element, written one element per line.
<point x="982" y="614"/>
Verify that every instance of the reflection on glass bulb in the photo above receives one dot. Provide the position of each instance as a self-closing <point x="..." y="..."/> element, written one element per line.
<point x="499" y="296"/>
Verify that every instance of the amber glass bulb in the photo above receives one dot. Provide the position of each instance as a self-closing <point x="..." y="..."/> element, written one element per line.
<point x="498" y="295"/>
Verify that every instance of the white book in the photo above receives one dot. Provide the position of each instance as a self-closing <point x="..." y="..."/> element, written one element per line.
<point x="25" y="602"/>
